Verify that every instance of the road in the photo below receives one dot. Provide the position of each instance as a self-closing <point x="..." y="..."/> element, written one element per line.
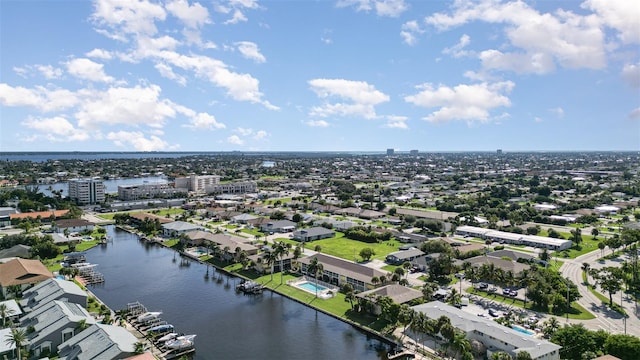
<point x="606" y="319"/>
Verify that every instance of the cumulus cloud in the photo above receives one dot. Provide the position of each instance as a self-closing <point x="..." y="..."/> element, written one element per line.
<point x="462" y="102"/>
<point x="167" y="72"/>
<point x="41" y="98"/>
<point x="88" y="70"/>
<point x="57" y="129"/>
<point x="621" y="15"/>
<point x="49" y="72"/>
<point x="138" y="141"/>
<point x="409" y="31"/>
<point x="540" y="41"/>
<point x="99" y="54"/>
<point x="250" y="50"/>
<point x="390" y="8"/>
<point x="361" y="96"/>
<point x="396" y="122"/>
<point x="260" y="134"/>
<point x="317" y="123"/>
<point x="631" y="74"/>
<point x="557" y="111"/>
<point x="124" y="18"/>
<point x="458" y="49"/>
<point x="193" y="16"/>
<point x="204" y="121"/>
<point x="634" y="114"/>
<point x="235" y="139"/>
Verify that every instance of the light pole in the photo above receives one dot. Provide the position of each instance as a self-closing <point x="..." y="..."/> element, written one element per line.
<point x="568" y="303"/>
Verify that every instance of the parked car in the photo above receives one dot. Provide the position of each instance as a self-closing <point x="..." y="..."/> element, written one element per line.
<point x="494" y="312"/>
<point x="492" y="289"/>
<point x="483" y="285"/>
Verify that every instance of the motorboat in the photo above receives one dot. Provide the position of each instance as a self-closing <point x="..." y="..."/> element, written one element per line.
<point x="181" y="342"/>
<point x="169" y="336"/>
<point x="148" y="316"/>
<point x="161" y="329"/>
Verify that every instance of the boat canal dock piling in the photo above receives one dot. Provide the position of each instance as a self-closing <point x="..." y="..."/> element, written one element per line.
<point x="250" y="287"/>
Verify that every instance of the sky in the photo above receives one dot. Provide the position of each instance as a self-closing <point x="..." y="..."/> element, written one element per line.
<point x="298" y="75"/>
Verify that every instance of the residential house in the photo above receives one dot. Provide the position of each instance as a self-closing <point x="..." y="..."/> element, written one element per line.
<point x="243" y="218"/>
<point x="19" y="250"/>
<point x="494" y="336"/>
<point x="139" y="217"/>
<point x="223" y="241"/>
<point x="45" y="216"/>
<point x="99" y="341"/>
<point x="512" y="238"/>
<point x="54" y="323"/>
<point x="72" y="225"/>
<point x="278" y="226"/>
<point x="314" y="233"/>
<point x="176" y="228"/>
<point x="498" y="263"/>
<point x="7" y="348"/>
<point x="21" y="273"/>
<point x="360" y="213"/>
<point x="338" y="271"/>
<point x="399" y="294"/>
<point x="13" y="312"/>
<point x="53" y="289"/>
<point x="400" y="257"/>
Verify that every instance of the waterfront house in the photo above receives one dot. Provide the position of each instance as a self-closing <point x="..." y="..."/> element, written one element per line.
<point x="397" y="293"/>
<point x="176" y="228"/>
<point x="7" y="348"/>
<point x="138" y="218"/>
<point x="261" y="266"/>
<point x="314" y="233"/>
<point x="53" y="289"/>
<point x="21" y="273"/>
<point x="54" y="323"/>
<point x="72" y="225"/>
<point x="494" y="336"/>
<point x="278" y="226"/>
<point x="203" y="238"/>
<point x="338" y="271"/>
<point x="99" y="341"/>
<point x="13" y="311"/>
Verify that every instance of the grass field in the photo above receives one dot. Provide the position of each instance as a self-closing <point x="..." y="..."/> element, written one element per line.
<point x="350" y="249"/>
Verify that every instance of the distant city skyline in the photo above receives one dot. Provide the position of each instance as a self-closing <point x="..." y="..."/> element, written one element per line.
<point x="343" y="76"/>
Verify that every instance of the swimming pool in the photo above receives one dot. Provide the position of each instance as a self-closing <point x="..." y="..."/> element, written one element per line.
<point x="522" y="330"/>
<point x="311" y="287"/>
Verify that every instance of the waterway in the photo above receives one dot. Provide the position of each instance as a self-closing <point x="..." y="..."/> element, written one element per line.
<point x="229" y="325"/>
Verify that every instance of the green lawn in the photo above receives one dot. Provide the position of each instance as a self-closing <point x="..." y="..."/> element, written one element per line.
<point x="170" y="211"/>
<point x="349" y="249"/>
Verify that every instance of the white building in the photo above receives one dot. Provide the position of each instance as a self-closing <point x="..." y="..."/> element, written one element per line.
<point x="242" y="187"/>
<point x="197" y="183"/>
<point x="147" y="191"/>
<point x="86" y="191"/>
<point x="513" y="238"/>
<point x="494" y="336"/>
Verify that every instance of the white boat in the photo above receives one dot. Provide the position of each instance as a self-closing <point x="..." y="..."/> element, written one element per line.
<point x="161" y="329"/>
<point x="169" y="336"/>
<point x="148" y="316"/>
<point x="181" y="342"/>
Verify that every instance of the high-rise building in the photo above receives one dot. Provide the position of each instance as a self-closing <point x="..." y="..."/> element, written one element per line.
<point x="86" y="191"/>
<point x="197" y="183"/>
<point x="390" y="152"/>
<point x="413" y="152"/>
<point x="499" y="151"/>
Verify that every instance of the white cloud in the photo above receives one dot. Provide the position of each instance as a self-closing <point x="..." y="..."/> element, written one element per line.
<point x="390" y="8"/>
<point x="166" y="71"/>
<point x="621" y="15"/>
<point x="235" y="139"/>
<point x="127" y="17"/>
<point x="363" y="98"/>
<point x="88" y="70"/>
<point x="56" y="129"/>
<point x="49" y="72"/>
<point x="538" y="119"/>
<point x="120" y="105"/>
<point x="462" y="102"/>
<point x="557" y="111"/>
<point x="238" y="16"/>
<point x="317" y="123"/>
<point x="634" y="114"/>
<point x="631" y="74"/>
<point x="99" y="54"/>
<point x="409" y="31"/>
<point x="204" y="121"/>
<point x="41" y="98"/>
<point x="193" y="16"/>
<point x="540" y="40"/>
<point x="250" y="50"/>
<point x="138" y="141"/>
<point x="260" y="134"/>
<point x="243" y="131"/>
<point x="458" y="49"/>
<point x="396" y="122"/>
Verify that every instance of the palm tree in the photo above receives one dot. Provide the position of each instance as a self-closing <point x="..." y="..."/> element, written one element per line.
<point x="5" y="312"/>
<point x="374" y="281"/>
<point x="315" y="268"/>
<point x="459" y="343"/>
<point x="281" y="250"/>
<point x="270" y="258"/>
<point x="585" y="268"/>
<point x="17" y="337"/>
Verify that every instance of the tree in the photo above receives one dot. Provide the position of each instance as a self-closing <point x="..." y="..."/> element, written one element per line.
<point x="316" y="268"/>
<point x="576" y="236"/>
<point x="16" y="338"/>
<point x="366" y="253"/>
<point x="626" y="347"/>
<point x="5" y="312"/>
<point x="270" y="257"/>
<point x="500" y="355"/>
<point x="459" y="343"/>
<point x="585" y="268"/>
<point x="595" y="232"/>
<point x="523" y="355"/>
<point x="610" y="280"/>
<point x="571" y="335"/>
<point x="296" y="218"/>
<point x="601" y="246"/>
<point x="281" y="250"/>
<point x="138" y="348"/>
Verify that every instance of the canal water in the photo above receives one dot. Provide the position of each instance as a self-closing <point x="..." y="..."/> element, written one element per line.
<point x="228" y="325"/>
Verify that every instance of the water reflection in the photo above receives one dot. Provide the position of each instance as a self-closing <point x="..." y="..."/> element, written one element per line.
<point x="229" y="325"/>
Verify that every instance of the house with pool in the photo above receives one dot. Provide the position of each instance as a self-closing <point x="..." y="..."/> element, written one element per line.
<point x="337" y="272"/>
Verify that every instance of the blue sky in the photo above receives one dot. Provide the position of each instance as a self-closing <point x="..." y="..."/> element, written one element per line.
<point x="346" y="75"/>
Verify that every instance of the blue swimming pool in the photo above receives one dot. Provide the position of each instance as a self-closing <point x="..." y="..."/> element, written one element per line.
<point x="309" y="286"/>
<point x="522" y="330"/>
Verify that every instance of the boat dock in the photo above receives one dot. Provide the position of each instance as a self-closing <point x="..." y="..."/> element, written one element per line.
<point x="250" y="287"/>
<point x="151" y="328"/>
